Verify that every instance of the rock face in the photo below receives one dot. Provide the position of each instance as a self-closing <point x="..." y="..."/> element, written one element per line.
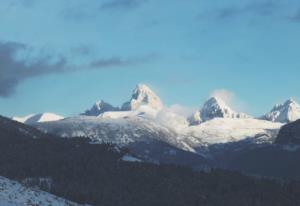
<point x="285" y="113"/>
<point x="99" y="108"/>
<point x="217" y="108"/>
<point x="36" y="118"/>
<point x="143" y="95"/>
<point x="289" y="134"/>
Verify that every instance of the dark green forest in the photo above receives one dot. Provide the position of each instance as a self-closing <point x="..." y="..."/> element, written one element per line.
<point x="94" y="174"/>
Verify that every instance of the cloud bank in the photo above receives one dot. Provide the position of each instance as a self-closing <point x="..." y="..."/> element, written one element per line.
<point x="14" y="70"/>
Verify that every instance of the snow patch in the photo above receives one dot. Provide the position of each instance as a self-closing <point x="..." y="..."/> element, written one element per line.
<point x="13" y="193"/>
<point x="36" y="118"/>
<point x="128" y="158"/>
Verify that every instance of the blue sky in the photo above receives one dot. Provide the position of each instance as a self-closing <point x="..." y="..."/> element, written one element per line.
<point x="61" y="56"/>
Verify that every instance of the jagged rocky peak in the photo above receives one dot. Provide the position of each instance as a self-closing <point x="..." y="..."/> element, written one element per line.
<point x="143" y="95"/>
<point x="287" y="112"/>
<point x="216" y="108"/>
<point x="99" y="108"/>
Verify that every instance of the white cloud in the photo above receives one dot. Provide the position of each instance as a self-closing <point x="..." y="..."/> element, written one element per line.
<point x="175" y="116"/>
<point x="230" y="99"/>
<point x="172" y="120"/>
<point x="182" y="110"/>
<point x="227" y="96"/>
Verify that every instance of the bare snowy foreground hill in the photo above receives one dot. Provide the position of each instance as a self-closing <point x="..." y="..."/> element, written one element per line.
<point x="13" y="193"/>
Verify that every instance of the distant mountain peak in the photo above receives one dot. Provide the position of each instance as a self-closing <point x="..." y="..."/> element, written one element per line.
<point x="36" y="118"/>
<point x="215" y="107"/>
<point x="288" y="111"/>
<point x="292" y="103"/>
<point x="100" y="107"/>
<point x="216" y="101"/>
<point x="143" y="95"/>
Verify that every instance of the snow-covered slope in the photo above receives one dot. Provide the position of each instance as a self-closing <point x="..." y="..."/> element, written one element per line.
<point x="148" y="139"/>
<point x="225" y="130"/>
<point x="143" y="95"/>
<point x="120" y="130"/>
<point x="13" y="193"/>
<point x="216" y="107"/>
<point x="287" y="112"/>
<point x="99" y="108"/>
<point x="128" y="129"/>
<point x="23" y="119"/>
<point x="142" y="111"/>
<point x="44" y="117"/>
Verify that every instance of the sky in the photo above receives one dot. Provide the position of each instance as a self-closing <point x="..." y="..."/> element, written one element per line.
<point x="61" y="56"/>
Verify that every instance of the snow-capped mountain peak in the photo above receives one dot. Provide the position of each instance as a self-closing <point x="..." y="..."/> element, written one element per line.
<point x="99" y="108"/>
<point x="23" y="119"/>
<point x="217" y="108"/>
<point x="289" y="111"/>
<point x="36" y="118"/>
<point x="143" y="95"/>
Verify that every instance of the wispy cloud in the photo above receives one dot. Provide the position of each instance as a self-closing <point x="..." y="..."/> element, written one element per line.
<point x="121" y="4"/>
<point x="78" y="11"/>
<point x="21" y="3"/>
<point x="14" y="70"/>
<point x="295" y="17"/>
<point x="258" y="8"/>
<point x="122" y="62"/>
<point x="88" y="10"/>
<point x="230" y="99"/>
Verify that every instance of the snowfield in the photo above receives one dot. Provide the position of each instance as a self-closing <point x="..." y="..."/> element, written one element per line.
<point x="224" y="130"/>
<point x="130" y="129"/>
<point x="121" y="131"/>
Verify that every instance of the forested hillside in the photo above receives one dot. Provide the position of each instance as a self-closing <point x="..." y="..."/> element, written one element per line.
<point x="95" y="174"/>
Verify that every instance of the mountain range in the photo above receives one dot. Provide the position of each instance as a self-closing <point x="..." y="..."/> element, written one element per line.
<point x="144" y="100"/>
<point x="148" y="135"/>
<point x="145" y="115"/>
<point x="158" y="134"/>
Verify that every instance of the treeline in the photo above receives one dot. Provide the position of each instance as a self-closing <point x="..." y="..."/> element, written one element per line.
<point x="94" y="174"/>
